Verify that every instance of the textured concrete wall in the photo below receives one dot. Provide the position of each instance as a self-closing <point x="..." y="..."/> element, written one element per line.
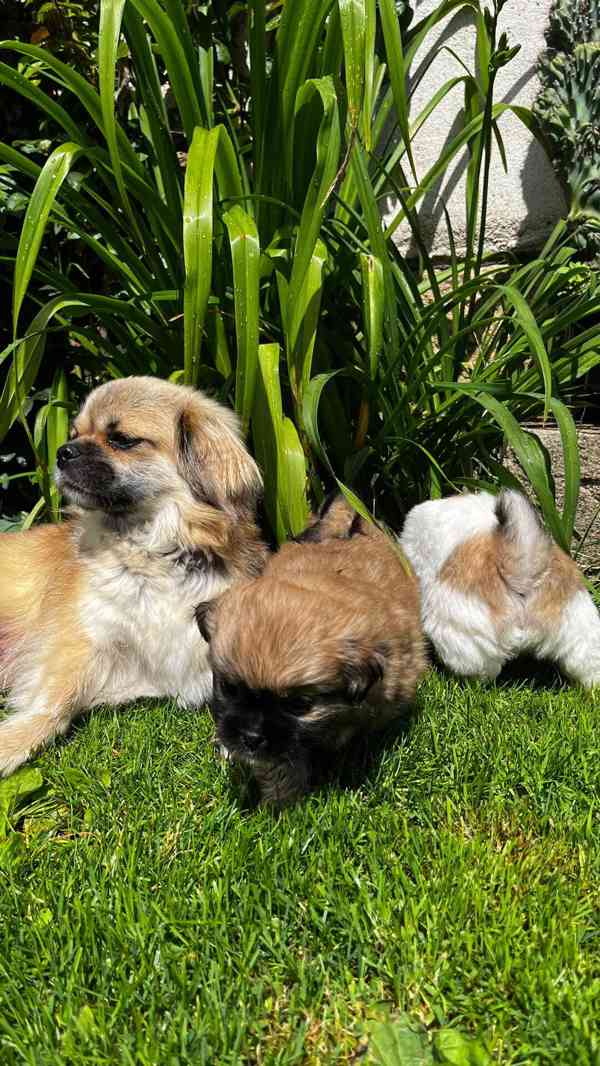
<point x="526" y="201"/>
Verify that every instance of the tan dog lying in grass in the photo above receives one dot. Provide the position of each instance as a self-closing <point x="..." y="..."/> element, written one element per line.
<point x="494" y="584"/>
<point x="100" y="609"/>
<point x="324" y="647"/>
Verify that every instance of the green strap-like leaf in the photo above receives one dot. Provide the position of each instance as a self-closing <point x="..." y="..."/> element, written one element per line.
<point x="304" y="324"/>
<point x="258" y="72"/>
<point x="373" y="305"/>
<point x="267" y="425"/>
<point x="310" y="414"/>
<point x="245" y="255"/>
<point x="372" y="220"/>
<point x="353" y="17"/>
<point x="30" y="91"/>
<point x="111" y="13"/>
<point x="532" y="457"/>
<point x="174" y="55"/>
<point x="321" y="186"/>
<point x="397" y="72"/>
<point x="279" y="450"/>
<point x="82" y="91"/>
<point x="450" y="150"/>
<point x="149" y="90"/>
<point x="43" y="196"/>
<point x="528" y="324"/>
<point x="57" y="430"/>
<point x="296" y="43"/>
<point x="295" y="504"/>
<point x="197" y="244"/>
<point x="372" y="75"/>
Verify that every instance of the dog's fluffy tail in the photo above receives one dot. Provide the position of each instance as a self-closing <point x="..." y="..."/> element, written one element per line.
<point x="526" y="546"/>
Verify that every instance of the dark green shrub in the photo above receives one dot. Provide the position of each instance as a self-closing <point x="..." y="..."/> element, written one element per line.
<point x="225" y="230"/>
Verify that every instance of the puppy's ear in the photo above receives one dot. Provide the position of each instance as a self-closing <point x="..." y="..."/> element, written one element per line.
<point x="214" y="461"/>
<point x="335" y="520"/>
<point x="205" y="618"/>
<point x="361" y="673"/>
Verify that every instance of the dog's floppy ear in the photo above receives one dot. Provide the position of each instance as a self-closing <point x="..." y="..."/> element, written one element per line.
<point x="213" y="460"/>
<point x="362" y="672"/>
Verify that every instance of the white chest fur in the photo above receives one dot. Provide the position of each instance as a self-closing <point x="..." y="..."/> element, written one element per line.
<point x="137" y="609"/>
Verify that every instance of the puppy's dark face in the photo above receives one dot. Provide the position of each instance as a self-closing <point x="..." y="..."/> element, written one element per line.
<point x="139" y="443"/>
<point x="289" y="739"/>
<point x="256" y="725"/>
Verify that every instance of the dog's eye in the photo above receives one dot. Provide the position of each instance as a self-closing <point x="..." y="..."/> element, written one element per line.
<point x="121" y="441"/>
<point x="297" y="705"/>
<point x="227" y="689"/>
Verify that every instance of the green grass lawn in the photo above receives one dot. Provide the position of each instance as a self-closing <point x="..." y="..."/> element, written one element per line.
<point x="146" y="917"/>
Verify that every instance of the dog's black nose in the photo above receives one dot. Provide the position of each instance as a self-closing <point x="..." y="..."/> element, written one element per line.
<point x="253" y="740"/>
<point x="65" y="454"/>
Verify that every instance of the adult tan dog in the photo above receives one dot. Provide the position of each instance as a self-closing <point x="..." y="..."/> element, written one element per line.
<point x="100" y="609"/>
<point x="324" y="647"/>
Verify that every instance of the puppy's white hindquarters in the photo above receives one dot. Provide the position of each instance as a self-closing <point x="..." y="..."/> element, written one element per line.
<point x="571" y="636"/>
<point x="494" y="585"/>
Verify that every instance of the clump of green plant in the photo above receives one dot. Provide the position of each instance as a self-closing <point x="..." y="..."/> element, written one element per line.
<point x="218" y="186"/>
<point x="568" y="108"/>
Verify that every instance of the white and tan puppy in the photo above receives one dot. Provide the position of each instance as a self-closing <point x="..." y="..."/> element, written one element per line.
<point x="100" y="609"/>
<point x="494" y="585"/>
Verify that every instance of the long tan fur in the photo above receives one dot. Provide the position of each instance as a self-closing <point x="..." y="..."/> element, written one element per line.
<point x="101" y="608"/>
<point x="334" y="620"/>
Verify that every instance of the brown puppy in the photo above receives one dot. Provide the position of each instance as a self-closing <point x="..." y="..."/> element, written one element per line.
<point x="100" y="609"/>
<point x="325" y="646"/>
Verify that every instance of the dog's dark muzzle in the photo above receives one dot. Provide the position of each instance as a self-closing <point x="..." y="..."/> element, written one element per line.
<point x="82" y="467"/>
<point x="78" y="452"/>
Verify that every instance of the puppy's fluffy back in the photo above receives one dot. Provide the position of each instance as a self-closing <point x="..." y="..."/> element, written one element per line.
<point x="317" y="607"/>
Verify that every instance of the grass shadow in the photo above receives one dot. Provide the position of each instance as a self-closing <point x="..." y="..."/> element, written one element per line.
<point x="537" y="674"/>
